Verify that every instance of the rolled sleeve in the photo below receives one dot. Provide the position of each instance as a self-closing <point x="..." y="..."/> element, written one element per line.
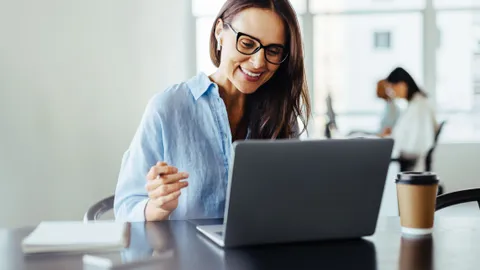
<point x="146" y="149"/>
<point x="137" y="213"/>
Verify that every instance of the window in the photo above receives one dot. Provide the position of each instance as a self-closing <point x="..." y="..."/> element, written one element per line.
<point x="457" y="65"/>
<point x="204" y="26"/>
<point x="382" y="40"/>
<point x="206" y="7"/>
<point x="440" y="4"/>
<point x="364" y="5"/>
<point x="348" y="66"/>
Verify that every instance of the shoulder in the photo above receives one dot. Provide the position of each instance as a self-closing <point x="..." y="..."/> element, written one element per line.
<point x="172" y="97"/>
<point x="421" y="103"/>
<point x="179" y="96"/>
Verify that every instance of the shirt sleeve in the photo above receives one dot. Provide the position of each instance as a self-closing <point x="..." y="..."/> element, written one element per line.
<point x="390" y="116"/>
<point x="145" y="150"/>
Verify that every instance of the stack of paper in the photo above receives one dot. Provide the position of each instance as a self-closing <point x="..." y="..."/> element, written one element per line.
<point x="68" y="236"/>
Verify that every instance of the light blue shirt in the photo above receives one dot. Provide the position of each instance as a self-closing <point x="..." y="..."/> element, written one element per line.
<point x="186" y="126"/>
<point x="390" y="115"/>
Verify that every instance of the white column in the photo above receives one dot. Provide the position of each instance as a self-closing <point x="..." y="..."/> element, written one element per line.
<point x="430" y="45"/>
<point x="190" y="35"/>
<point x="308" y="35"/>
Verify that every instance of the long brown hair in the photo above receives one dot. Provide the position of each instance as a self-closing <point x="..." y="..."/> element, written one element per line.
<point x="273" y="109"/>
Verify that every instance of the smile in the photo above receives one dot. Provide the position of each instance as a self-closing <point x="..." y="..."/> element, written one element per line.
<point x="250" y="73"/>
<point x="250" y="76"/>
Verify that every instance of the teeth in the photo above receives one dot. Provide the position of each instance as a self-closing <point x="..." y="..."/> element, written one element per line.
<point x="250" y="73"/>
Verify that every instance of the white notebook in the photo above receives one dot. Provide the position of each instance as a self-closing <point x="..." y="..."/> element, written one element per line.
<point x="71" y="236"/>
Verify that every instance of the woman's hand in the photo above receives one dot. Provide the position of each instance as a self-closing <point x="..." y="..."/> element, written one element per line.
<point x="163" y="187"/>
<point x="386" y="132"/>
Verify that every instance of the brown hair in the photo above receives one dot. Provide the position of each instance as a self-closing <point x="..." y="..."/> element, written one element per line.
<point x="273" y="109"/>
<point x="381" y="91"/>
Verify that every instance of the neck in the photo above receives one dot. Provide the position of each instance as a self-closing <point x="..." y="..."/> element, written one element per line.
<point x="234" y="100"/>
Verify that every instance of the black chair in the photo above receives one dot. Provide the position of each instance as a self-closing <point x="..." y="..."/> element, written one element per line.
<point x="331" y="123"/>
<point x="458" y="197"/>
<point x="95" y="211"/>
<point x="428" y="159"/>
<point x="407" y="163"/>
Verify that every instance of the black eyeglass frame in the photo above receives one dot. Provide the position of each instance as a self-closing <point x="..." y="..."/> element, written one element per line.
<point x="239" y="34"/>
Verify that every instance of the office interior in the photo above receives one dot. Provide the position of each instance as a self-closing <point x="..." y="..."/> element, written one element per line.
<point x="75" y="77"/>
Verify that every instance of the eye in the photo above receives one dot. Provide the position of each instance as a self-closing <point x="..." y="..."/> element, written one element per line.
<point x="275" y="51"/>
<point x="247" y="44"/>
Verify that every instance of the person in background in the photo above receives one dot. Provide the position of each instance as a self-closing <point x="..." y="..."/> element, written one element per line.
<point x="390" y="115"/>
<point x="258" y="91"/>
<point x="414" y="132"/>
<point x="391" y="112"/>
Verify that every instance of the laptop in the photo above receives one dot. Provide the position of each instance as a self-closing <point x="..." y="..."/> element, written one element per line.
<point x="282" y="191"/>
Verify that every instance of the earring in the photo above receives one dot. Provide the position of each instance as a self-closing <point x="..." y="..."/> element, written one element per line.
<point x="219" y="47"/>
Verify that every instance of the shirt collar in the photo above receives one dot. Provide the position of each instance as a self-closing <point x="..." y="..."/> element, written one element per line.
<point x="200" y="84"/>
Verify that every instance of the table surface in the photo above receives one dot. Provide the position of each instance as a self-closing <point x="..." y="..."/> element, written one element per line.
<point x="455" y="244"/>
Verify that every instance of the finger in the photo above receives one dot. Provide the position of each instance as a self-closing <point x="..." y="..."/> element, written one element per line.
<point x="162" y="163"/>
<point x="164" y="190"/>
<point x="166" y="199"/>
<point x="163" y="180"/>
<point x="157" y="170"/>
<point x="171" y="178"/>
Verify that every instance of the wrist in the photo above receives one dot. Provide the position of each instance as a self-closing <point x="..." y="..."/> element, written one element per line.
<point x="153" y="213"/>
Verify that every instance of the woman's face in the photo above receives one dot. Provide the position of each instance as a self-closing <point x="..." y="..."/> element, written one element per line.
<point x="400" y="89"/>
<point x="248" y="72"/>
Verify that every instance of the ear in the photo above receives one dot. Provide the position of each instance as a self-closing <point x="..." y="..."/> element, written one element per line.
<point x="219" y="31"/>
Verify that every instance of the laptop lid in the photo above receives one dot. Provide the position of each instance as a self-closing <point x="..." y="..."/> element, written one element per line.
<point x="292" y="190"/>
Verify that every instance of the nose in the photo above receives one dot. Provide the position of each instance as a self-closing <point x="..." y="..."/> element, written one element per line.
<point x="258" y="59"/>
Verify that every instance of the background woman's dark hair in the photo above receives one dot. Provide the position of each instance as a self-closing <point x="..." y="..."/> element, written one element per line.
<point x="401" y="75"/>
<point x="275" y="106"/>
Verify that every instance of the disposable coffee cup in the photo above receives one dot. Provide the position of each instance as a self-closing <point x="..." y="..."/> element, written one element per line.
<point x="417" y="194"/>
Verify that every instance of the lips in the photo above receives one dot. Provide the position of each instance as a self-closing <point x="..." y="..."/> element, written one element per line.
<point x="250" y="75"/>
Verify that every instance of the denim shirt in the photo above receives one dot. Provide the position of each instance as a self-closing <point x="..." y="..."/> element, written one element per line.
<point x="186" y="126"/>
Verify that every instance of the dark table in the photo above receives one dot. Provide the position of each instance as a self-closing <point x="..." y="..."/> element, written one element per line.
<point x="454" y="245"/>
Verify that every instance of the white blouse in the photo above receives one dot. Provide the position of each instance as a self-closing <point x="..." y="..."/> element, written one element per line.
<point x="414" y="133"/>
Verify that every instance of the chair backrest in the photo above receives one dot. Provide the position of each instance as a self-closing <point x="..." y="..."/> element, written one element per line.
<point x="331" y="123"/>
<point x="428" y="159"/>
<point x="458" y="197"/>
<point x="439" y="130"/>
<point x="95" y="211"/>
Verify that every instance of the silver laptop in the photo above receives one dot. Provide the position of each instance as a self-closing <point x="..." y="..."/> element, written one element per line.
<point x="290" y="190"/>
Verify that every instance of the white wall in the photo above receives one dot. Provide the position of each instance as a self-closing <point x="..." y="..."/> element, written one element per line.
<point x="74" y="79"/>
<point x="458" y="165"/>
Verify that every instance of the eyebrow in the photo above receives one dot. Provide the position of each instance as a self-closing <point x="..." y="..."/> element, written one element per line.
<point x="257" y="39"/>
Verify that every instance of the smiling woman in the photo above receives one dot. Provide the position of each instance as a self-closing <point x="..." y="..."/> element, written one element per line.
<point x="258" y="91"/>
<point x="248" y="43"/>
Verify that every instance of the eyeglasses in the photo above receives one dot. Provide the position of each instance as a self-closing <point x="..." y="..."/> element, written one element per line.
<point x="248" y="45"/>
